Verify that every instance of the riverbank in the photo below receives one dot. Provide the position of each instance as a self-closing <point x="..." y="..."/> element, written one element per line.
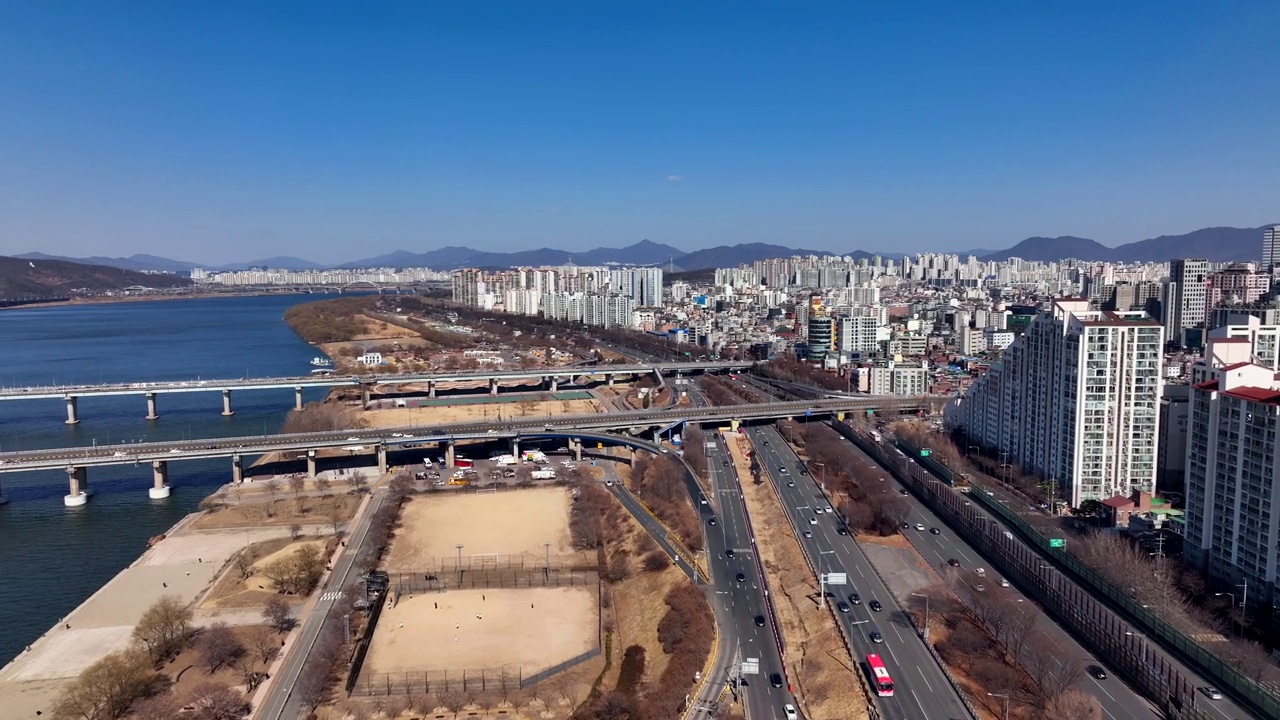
<point x="111" y="300"/>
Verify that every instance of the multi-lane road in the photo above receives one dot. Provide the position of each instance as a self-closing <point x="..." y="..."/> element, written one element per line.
<point x="742" y="601"/>
<point x="921" y="689"/>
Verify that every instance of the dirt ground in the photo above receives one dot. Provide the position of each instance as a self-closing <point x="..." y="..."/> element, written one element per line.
<point x="315" y="510"/>
<point x="442" y="414"/>
<point x="529" y="628"/>
<point x="189" y="673"/>
<point x="511" y="523"/>
<point x="638" y="606"/>
<point x="817" y="662"/>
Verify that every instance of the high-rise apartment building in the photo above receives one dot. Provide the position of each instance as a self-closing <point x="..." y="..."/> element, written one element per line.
<point x="1186" y="297"/>
<point x="1233" y="463"/>
<point x="1270" y="247"/>
<point x="1076" y="399"/>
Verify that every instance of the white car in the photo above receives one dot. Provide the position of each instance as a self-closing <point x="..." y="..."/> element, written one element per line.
<point x="1004" y="583"/>
<point x="119" y="453"/>
<point x="352" y="439"/>
<point x="175" y="450"/>
<point x="817" y="511"/>
<point x="919" y="526"/>
<point x="789" y="711"/>
<point x="813" y="521"/>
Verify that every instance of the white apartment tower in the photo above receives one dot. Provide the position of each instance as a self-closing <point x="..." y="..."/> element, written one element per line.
<point x="1233" y="463"/>
<point x="1075" y="399"/>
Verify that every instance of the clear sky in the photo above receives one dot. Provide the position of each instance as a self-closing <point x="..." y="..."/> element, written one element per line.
<point x="225" y="131"/>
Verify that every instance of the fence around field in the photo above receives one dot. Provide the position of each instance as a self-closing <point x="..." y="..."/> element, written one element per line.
<point x="435" y="682"/>
<point x="362" y="646"/>
<point x="408" y="583"/>
<point x="1088" y="619"/>
<point x="578" y="560"/>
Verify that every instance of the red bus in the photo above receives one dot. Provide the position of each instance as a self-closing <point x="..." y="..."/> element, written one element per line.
<point x="880" y="676"/>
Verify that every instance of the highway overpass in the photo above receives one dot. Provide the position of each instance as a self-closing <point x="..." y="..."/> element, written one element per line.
<point x="551" y="377"/>
<point x="76" y="460"/>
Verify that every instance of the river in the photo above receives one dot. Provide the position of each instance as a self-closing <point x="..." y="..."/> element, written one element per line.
<point x="51" y="557"/>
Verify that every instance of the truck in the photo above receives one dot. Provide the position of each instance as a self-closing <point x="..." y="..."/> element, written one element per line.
<point x="533" y="456"/>
<point x="543" y="474"/>
<point x="506" y="460"/>
<point x="875" y="435"/>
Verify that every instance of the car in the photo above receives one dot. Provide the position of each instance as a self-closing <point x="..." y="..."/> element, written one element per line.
<point x="842" y="606"/>
<point x="789" y="712"/>
<point x="775" y="680"/>
<point x="712" y="521"/>
<point x="1096" y="672"/>
<point x="875" y="606"/>
<point x="350" y="439"/>
<point x="791" y="483"/>
<point x="765" y="443"/>
<point x="803" y="471"/>
<point x="119" y="453"/>
<point x="608" y="483"/>
<point x="935" y="531"/>
<point x="175" y="450"/>
<point x="980" y="587"/>
<point x="906" y="526"/>
<point x="759" y="621"/>
<point x="782" y="470"/>
<point x="703" y="499"/>
<point x="842" y="530"/>
<point x="1004" y="583"/>
<point x="876" y="637"/>
<point x="813" y="521"/>
<point x="980" y="570"/>
<point x="1211" y="692"/>
<point x="728" y="552"/>
<point x="953" y="562"/>
<point x="903" y="491"/>
<point x="855" y="598"/>
<point x="817" y="511"/>
<point x="726" y="463"/>
<point x="808" y="533"/>
<point x="920" y="526"/>
<point x="741" y="577"/>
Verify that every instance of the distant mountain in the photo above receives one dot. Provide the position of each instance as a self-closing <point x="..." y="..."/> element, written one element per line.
<point x="453" y="257"/>
<point x="25" y="277"/>
<point x="1043" y="249"/>
<point x="644" y="252"/>
<point x="1217" y="244"/>
<point x="284" y="262"/>
<point x="140" y="262"/>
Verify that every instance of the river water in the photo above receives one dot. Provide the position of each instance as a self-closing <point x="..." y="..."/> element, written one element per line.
<point x="52" y="557"/>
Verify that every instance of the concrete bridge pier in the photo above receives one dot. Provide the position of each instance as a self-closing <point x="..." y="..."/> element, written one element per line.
<point x="657" y="436"/>
<point x="297" y="397"/>
<point x="237" y="469"/>
<point x="577" y="450"/>
<point x="382" y="459"/>
<point x="364" y="396"/>
<point x="72" y="417"/>
<point x="555" y="383"/>
<point x="79" y="481"/>
<point x="515" y="447"/>
<point x="311" y="464"/>
<point x="226" y="404"/>
<point x="431" y="389"/>
<point x="493" y="386"/>
<point x="160" y="473"/>
<point x="610" y="379"/>
<point x="448" y="455"/>
<point x="151" y="407"/>
<point x="3" y="499"/>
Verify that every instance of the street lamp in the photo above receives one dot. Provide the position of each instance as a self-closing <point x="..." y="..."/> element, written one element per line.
<point x="822" y="475"/>
<point x="925" y="634"/>
<point x="1233" y="606"/>
<point x="459" y="547"/>
<point x="1006" y="702"/>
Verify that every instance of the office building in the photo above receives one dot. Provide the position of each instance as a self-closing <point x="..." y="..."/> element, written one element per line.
<point x="1186" y="298"/>
<point x="1075" y="399"/>
<point x="1270" y="247"/>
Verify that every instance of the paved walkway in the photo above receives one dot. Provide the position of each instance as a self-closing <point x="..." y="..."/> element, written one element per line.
<point x="183" y="564"/>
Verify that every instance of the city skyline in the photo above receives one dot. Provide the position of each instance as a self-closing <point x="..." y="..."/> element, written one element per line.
<point x="226" y="133"/>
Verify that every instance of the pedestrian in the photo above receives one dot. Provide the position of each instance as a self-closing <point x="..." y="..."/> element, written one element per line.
<point x="401" y="624"/>
<point x="165" y="584"/>
<point x="68" y="626"/>
<point x="188" y="573"/>
<point x="530" y="606"/>
<point x="437" y="605"/>
<point x="199" y="560"/>
<point x="455" y="627"/>
<point x="481" y="598"/>
<point x="455" y="638"/>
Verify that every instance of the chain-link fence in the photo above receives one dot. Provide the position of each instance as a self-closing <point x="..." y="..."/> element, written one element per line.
<point x="409" y="583"/>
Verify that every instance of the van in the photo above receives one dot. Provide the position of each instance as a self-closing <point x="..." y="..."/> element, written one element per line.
<point x="401" y="402"/>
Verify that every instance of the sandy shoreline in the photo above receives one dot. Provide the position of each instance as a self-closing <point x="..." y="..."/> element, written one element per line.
<point x="143" y="298"/>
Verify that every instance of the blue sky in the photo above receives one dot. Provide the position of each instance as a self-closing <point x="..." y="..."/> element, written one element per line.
<point x="229" y="131"/>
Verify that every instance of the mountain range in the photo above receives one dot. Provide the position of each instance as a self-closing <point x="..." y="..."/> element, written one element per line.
<point x="26" y="278"/>
<point x="1217" y="244"/>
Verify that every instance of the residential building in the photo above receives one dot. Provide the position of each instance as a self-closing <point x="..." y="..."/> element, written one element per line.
<point x="1075" y="399"/>
<point x="1233" y="469"/>
<point x="1271" y="247"/>
<point x="897" y="379"/>
<point x="1186" y="297"/>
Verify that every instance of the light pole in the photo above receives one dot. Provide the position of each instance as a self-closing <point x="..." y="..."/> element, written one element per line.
<point x="459" y="547"/>
<point x="822" y="579"/>
<point x="1233" y="605"/>
<point x="1006" y="702"/>
<point x="925" y="632"/>
<point x="822" y="475"/>
<point x="547" y="568"/>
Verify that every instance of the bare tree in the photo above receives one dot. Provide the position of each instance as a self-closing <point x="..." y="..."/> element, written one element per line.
<point x="278" y="613"/>
<point x="1073" y="705"/>
<point x="244" y="563"/>
<point x="359" y="480"/>
<point x="106" y="689"/>
<point x="297" y="484"/>
<point x="323" y="484"/>
<point x="295" y="531"/>
<point x="335" y="516"/>
<point x="164" y="628"/>
<point x="157" y="707"/>
<point x="272" y="488"/>
<point x="219" y="647"/>
<point x="218" y="702"/>
<point x="1051" y="673"/>
<point x="263" y="642"/>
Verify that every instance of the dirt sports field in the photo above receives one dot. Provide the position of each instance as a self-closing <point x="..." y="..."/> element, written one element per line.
<point x="530" y="628"/>
<point x="508" y="524"/>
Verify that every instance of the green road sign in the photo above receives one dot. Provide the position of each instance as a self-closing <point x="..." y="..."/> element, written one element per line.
<point x="1057" y="542"/>
<point x="925" y="452"/>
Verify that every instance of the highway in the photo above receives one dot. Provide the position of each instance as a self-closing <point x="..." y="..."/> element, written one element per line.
<point x="1119" y="701"/>
<point x="921" y="689"/>
<point x="213" y="385"/>
<point x="398" y="437"/>
<point x="1114" y="688"/>
<point x="280" y="702"/>
<point x="743" y="601"/>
